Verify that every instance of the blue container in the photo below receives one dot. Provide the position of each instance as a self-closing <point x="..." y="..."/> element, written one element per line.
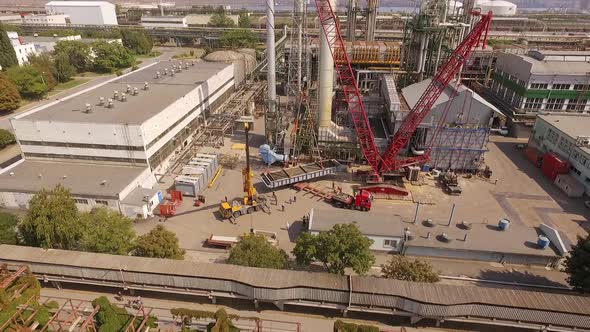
<point x="503" y="224"/>
<point x="425" y="168"/>
<point x="543" y="242"/>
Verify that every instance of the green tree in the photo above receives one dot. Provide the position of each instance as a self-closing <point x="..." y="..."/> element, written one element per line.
<point x="244" y="19"/>
<point x="256" y="251"/>
<point x="137" y="41"/>
<point x="8" y="222"/>
<point x="111" y="56"/>
<point x="7" y="54"/>
<point x="44" y="62"/>
<point x="78" y="52"/>
<point x="220" y="19"/>
<point x="238" y="38"/>
<point x="6" y="138"/>
<point x="29" y="80"/>
<point x="106" y="231"/>
<point x="52" y="220"/>
<point x="402" y="268"/>
<point x="222" y="323"/>
<point x="9" y="96"/>
<point x="64" y="70"/>
<point x="344" y="246"/>
<point x="577" y="265"/>
<point x="158" y="243"/>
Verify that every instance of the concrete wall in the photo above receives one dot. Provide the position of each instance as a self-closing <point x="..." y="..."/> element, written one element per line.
<point x="496" y="257"/>
<point x="379" y="243"/>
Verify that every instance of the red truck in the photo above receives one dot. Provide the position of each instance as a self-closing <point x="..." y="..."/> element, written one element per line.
<point x="362" y="201"/>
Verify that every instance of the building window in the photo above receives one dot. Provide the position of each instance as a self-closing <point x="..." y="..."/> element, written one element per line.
<point x="390" y="243"/>
<point x="576" y="105"/>
<point x="561" y="86"/>
<point x="552" y="136"/>
<point x="533" y="103"/>
<point x="102" y="202"/>
<point x="539" y="86"/>
<point x="81" y="200"/>
<point x="581" y="86"/>
<point x="554" y="104"/>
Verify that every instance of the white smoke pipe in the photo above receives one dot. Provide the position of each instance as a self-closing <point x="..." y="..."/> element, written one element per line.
<point x="326" y="76"/>
<point x="270" y="55"/>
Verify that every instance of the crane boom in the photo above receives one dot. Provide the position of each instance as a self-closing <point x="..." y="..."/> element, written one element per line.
<point x="439" y="83"/>
<point x="389" y="161"/>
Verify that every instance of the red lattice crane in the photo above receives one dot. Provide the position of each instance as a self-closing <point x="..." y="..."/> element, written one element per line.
<point x="390" y="161"/>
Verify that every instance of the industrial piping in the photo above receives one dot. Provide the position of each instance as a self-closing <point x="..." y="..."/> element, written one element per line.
<point x="270" y="55"/>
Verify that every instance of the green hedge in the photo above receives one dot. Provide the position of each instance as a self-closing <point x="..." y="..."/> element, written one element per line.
<point x="340" y="326"/>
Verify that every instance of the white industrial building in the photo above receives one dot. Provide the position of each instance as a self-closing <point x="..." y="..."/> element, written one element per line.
<point x="134" y="124"/>
<point x="9" y="18"/>
<point x="21" y="48"/>
<point x="85" y="12"/>
<point x="47" y="19"/>
<point x="568" y="136"/>
<point x="47" y="44"/>
<point x="498" y="7"/>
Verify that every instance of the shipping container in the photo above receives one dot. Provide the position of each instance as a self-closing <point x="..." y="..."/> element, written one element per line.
<point x="554" y="165"/>
<point x="534" y="156"/>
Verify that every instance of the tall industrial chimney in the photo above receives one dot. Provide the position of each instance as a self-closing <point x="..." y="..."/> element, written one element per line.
<point x="270" y="55"/>
<point x="326" y="74"/>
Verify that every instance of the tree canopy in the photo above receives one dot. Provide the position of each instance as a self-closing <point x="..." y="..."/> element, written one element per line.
<point x="78" y="52"/>
<point x="8" y="222"/>
<point x="577" y="265"/>
<point x="9" y="96"/>
<point x="44" y="63"/>
<point x="64" y="70"/>
<point x="137" y="41"/>
<point x="222" y="323"/>
<point x="256" y="251"/>
<point x="344" y="246"/>
<point x="244" y="19"/>
<point x="29" y="80"/>
<point x="7" y="54"/>
<point x="106" y="231"/>
<point x="6" y="138"/>
<point x="220" y="19"/>
<point x="158" y="243"/>
<point x="402" y="268"/>
<point x="52" y="220"/>
<point x="238" y="38"/>
<point x="111" y="56"/>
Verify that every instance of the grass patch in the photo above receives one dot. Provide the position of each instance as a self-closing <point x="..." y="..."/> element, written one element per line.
<point x="152" y="54"/>
<point x="68" y="85"/>
<point x="91" y="74"/>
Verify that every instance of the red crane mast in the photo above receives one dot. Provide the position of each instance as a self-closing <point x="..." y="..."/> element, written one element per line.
<point x="389" y="161"/>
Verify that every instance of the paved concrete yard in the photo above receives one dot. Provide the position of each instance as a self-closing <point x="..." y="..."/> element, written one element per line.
<point x="521" y="194"/>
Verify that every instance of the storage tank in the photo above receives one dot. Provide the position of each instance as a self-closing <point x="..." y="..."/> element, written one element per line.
<point x="497" y="7"/>
<point x="543" y="242"/>
<point x="243" y="63"/>
<point x="503" y="224"/>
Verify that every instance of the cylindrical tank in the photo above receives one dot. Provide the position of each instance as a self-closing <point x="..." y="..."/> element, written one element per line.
<point x="503" y="224"/>
<point x="326" y="76"/>
<point x="497" y="7"/>
<point x="243" y="63"/>
<point x="543" y="241"/>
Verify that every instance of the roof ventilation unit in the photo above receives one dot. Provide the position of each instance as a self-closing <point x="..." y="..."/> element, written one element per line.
<point x="103" y="182"/>
<point x="116" y="95"/>
<point x="158" y="75"/>
<point x="110" y="104"/>
<point x="88" y="108"/>
<point x="123" y="97"/>
<point x="146" y="86"/>
<point x="128" y="89"/>
<point x="101" y="101"/>
<point x="186" y="65"/>
<point x="135" y="91"/>
<point x="444" y="237"/>
<point x="165" y="71"/>
<point x="192" y="62"/>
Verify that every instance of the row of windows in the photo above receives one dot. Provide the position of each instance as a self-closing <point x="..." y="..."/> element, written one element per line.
<point x="539" y="86"/>
<point x="189" y="113"/>
<point x="76" y="157"/>
<point x="83" y="145"/>
<point x="559" y="86"/>
<point x="85" y="201"/>
<point x="555" y="104"/>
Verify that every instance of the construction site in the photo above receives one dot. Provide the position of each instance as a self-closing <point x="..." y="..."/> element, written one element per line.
<point x="409" y="140"/>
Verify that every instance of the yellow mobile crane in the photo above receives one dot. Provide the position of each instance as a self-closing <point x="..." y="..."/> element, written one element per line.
<point x="252" y="201"/>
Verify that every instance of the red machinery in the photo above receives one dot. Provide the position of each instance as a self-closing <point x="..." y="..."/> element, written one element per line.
<point x="389" y="161"/>
<point x="169" y="209"/>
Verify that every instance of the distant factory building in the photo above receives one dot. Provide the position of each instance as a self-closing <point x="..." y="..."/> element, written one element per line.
<point x="85" y="12"/>
<point x="110" y="141"/>
<point x="9" y="18"/>
<point x="457" y="128"/>
<point x="498" y="7"/>
<point x="525" y="84"/>
<point x="164" y="21"/>
<point x="47" y="19"/>
<point x="568" y="137"/>
<point x="22" y="49"/>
